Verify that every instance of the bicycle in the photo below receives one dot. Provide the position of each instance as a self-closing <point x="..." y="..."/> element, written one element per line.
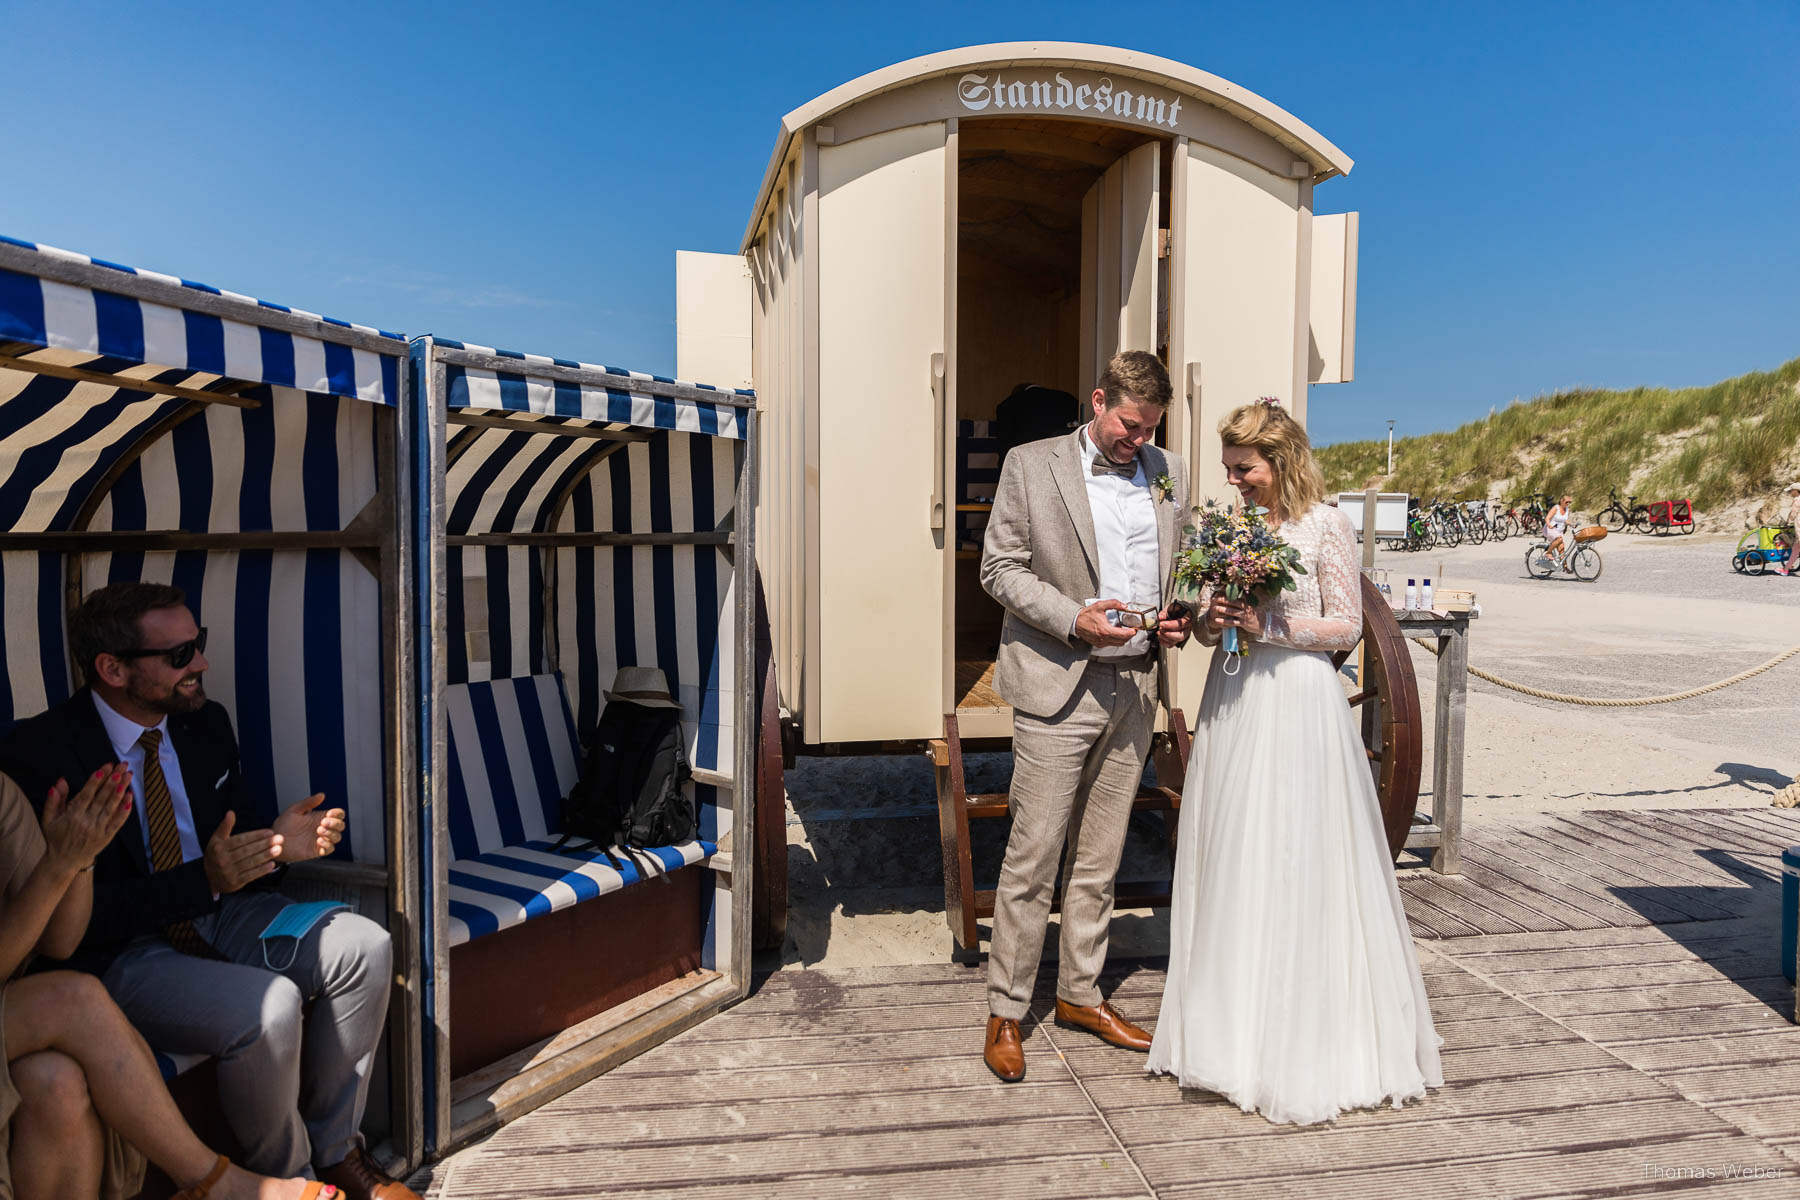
<point x="1445" y="524"/>
<point x="1475" y="520"/>
<point x="1583" y="561"/>
<point x="1619" y="516"/>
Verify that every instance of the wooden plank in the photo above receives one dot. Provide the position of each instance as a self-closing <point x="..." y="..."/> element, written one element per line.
<point x="487" y="1099"/>
<point x="570" y="1122"/>
<point x="96" y="541"/>
<point x="1660" y="851"/>
<point x="130" y="382"/>
<point x="1190" y="1118"/>
<point x="1488" y="911"/>
<point x="1609" y="1028"/>
<point x="1661" y="996"/>
<point x="1589" y="880"/>
<point x="706" y="537"/>
<point x="1442" y="1146"/>
<point x="1742" y="1050"/>
<point x="1503" y="962"/>
<point x="1431" y="922"/>
<point x="1518" y="888"/>
<point x="517" y="422"/>
<point x="879" y="1152"/>
<point x="1088" y="1175"/>
<point x="1674" y="971"/>
<point x="1585" y="1172"/>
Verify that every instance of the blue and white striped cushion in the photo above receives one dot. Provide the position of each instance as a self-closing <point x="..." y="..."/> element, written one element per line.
<point x="512" y="759"/>
<point x="507" y="887"/>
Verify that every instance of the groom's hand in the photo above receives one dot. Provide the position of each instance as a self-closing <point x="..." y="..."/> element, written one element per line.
<point x="1092" y="627"/>
<point x="1174" y="630"/>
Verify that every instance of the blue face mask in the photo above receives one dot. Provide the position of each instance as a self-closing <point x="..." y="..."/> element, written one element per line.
<point x="295" y="921"/>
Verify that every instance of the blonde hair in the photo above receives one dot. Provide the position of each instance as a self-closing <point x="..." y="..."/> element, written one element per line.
<point x="1267" y="428"/>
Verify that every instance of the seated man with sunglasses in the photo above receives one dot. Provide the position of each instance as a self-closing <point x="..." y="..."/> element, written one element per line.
<point x="188" y="932"/>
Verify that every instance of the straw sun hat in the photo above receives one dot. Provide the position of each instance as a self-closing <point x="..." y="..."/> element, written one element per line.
<point x="642" y="685"/>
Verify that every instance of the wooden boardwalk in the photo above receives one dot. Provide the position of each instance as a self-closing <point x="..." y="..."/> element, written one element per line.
<point x="1608" y="985"/>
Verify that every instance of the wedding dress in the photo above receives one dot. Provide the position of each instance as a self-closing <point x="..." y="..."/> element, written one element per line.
<point x="1293" y="989"/>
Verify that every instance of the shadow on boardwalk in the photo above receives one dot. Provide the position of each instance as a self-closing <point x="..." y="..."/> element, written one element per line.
<point x="1608" y="985"/>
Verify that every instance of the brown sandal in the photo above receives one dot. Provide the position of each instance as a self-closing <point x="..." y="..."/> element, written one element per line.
<point x="200" y="1191"/>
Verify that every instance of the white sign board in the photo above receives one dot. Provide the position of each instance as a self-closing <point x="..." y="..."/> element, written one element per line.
<point x="1390" y="512"/>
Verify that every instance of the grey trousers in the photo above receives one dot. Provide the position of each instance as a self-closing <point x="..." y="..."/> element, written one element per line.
<point x="1074" y="776"/>
<point x="292" y="1084"/>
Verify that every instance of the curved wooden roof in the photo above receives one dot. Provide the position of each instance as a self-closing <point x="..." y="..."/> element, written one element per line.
<point x="1210" y="89"/>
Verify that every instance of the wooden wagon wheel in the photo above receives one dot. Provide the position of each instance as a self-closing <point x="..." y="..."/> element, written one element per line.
<point x="1389" y="704"/>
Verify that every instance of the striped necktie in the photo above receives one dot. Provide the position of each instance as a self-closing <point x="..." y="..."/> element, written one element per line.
<point x="165" y="839"/>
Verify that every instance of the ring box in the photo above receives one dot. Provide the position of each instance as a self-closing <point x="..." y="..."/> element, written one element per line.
<point x="1133" y="618"/>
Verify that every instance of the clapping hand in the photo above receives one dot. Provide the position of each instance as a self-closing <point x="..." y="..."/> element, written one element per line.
<point x="308" y="833"/>
<point x="77" y="829"/>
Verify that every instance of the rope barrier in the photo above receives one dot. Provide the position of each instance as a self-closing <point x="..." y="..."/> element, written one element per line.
<point x="1635" y="702"/>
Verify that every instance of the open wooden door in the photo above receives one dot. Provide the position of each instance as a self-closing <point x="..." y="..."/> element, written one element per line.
<point x="1119" y="220"/>
<point x="876" y="603"/>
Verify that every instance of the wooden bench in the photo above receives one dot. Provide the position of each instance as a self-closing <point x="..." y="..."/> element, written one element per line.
<point x="580" y="934"/>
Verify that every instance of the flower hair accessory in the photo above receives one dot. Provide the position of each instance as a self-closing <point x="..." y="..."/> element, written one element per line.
<point x="1270" y="402"/>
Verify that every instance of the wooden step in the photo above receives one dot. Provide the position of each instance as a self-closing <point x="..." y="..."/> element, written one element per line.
<point x="1150" y="799"/>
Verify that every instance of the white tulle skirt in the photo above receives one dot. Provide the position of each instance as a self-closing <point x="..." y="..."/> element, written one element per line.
<point x="1294" y="989"/>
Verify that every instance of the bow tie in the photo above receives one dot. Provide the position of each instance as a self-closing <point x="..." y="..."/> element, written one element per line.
<point x="1101" y="465"/>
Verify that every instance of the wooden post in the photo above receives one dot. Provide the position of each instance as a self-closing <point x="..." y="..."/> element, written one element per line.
<point x="1370" y="717"/>
<point x="1447" y="745"/>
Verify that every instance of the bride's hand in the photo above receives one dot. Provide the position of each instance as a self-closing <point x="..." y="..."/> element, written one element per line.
<point x="1225" y="614"/>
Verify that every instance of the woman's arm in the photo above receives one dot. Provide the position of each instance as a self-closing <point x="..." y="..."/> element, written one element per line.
<point x="48" y="912"/>
<point x="1340" y="590"/>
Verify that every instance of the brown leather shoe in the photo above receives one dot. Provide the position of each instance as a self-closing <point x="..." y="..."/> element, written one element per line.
<point x="1104" y="1022"/>
<point x="358" y="1178"/>
<point x="1005" y="1053"/>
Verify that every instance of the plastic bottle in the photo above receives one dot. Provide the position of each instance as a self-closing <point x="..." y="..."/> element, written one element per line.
<point x="1412" y="594"/>
<point x="1425" y="595"/>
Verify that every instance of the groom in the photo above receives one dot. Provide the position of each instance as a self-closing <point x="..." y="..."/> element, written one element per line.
<point x="1080" y="530"/>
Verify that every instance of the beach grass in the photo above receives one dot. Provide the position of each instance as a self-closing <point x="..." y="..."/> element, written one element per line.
<point x="1717" y="445"/>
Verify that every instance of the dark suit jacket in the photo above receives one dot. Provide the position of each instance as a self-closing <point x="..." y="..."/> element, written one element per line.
<point x="130" y="900"/>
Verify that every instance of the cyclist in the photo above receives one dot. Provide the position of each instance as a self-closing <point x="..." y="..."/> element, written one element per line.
<point x="1792" y="521"/>
<point x="1556" y="532"/>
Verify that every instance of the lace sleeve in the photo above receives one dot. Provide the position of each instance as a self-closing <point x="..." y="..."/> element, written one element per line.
<point x="1340" y="595"/>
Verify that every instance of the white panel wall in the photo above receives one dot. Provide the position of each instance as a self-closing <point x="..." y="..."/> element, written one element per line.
<point x="1240" y="238"/>
<point x="712" y="318"/>
<point x="881" y="245"/>
<point x="1331" y="357"/>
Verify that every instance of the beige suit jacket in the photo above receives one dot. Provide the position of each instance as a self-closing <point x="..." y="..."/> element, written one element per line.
<point x="1039" y="562"/>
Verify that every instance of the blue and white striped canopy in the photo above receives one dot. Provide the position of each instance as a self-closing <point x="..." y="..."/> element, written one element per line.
<point x="670" y="404"/>
<point x="61" y="300"/>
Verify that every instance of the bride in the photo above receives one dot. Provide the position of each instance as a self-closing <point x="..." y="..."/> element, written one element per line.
<point x="1293" y="987"/>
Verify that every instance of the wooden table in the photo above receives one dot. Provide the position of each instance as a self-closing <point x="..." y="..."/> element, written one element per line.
<point x="1442" y="835"/>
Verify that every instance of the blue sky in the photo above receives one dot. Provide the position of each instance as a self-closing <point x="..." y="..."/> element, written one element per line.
<point x="1551" y="195"/>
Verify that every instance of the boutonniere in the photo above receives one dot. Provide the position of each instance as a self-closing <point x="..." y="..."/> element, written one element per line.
<point x="1164" y="486"/>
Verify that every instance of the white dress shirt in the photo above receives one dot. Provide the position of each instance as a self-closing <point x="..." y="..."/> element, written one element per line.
<point x="124" y="734"/>
<point x="1125" y="538"/>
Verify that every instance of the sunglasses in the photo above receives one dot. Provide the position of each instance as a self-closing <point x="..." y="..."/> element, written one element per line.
<point x="179" y="655"/>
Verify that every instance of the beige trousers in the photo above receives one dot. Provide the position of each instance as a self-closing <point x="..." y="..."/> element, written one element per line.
<point x="1074" y="776"/>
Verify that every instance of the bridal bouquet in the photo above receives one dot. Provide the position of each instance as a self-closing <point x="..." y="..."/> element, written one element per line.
<point x="1234" y="552"/>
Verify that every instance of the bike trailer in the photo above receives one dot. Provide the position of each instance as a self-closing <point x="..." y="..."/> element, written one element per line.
<point x="1672" y="514"/>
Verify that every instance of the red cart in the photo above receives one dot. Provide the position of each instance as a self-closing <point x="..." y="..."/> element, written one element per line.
<point x="1670" y="516"/>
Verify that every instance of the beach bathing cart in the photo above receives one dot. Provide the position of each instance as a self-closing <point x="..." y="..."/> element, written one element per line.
<point x="928" y="238"/>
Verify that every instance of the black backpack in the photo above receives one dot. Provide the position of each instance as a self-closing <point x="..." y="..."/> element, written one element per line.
<point x="1031" y="413"/>
<point x="631" y="790"/>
